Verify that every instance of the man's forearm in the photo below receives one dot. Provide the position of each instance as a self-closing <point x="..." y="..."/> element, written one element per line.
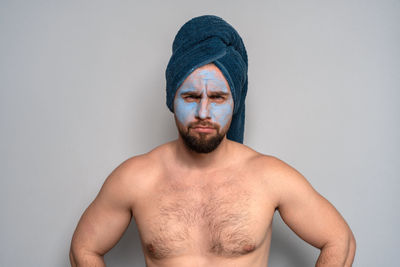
<point x="338" y="254"/>
<point x="86" y="260"/>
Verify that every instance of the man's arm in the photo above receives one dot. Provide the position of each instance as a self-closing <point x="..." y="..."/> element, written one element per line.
<point x="104" y="221"/>
<point x="313" y="218"/>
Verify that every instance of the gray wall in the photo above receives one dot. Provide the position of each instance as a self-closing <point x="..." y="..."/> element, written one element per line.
<point x="82" y="89"/>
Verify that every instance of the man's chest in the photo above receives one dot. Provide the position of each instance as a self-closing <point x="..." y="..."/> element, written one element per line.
<point x="229" y="217"/>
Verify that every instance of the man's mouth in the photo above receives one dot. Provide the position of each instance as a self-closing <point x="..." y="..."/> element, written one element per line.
<point x="203" y="129"/>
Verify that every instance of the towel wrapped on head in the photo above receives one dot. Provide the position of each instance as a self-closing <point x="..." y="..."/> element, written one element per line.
<point x="210" y="39"/>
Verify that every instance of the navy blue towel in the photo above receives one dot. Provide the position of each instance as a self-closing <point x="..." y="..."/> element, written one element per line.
<point x="210" y="39"/>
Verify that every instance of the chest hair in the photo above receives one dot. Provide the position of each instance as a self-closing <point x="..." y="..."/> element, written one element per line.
<point x="206" y="219"/>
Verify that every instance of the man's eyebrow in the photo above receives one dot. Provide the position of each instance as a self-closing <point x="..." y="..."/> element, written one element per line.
<point x="219" y="93"/>
<point x="191" y="93"/>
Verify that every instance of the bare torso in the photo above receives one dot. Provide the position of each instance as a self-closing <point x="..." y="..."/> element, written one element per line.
<point x="208" y="210"/>
<point x="218" y="217"/>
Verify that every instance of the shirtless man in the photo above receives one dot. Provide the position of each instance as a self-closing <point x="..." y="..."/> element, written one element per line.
<point x="204" y="200"/>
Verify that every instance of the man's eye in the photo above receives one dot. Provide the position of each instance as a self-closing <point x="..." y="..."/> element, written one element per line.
<point x="191" y="97"/>
<point x="217" y="97"/>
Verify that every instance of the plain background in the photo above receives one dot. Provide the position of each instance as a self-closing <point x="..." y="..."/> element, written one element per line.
<point x="83" y="89"/>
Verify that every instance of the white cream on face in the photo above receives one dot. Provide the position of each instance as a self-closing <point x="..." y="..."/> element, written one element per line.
<point x="204" y="95"/>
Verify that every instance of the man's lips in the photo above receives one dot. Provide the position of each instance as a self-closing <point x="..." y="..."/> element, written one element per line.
<point x="203" y="129"/>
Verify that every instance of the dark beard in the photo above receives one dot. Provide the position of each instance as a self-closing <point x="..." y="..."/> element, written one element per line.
<point x="201" y="144"/>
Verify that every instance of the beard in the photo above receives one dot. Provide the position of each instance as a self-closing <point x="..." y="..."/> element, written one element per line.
<point x="201" y="142"/>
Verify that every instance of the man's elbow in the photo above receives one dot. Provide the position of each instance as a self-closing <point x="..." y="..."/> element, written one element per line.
<point x="72" y="258"/>
<point x="339" y="251"/>
<point x="351" y="249"/>
<point x="348" y="246"/>
<point x="82" y="257"/>
<point x="77" y="256"/>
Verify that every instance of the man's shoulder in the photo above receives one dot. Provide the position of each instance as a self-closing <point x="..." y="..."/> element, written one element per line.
<point x="280" y="176"/>
<point x="269" y="173"/>
<point x="140" y="171"/>
<point x="267" y="165"/>
<point x="148" y="161"/>
<point x="251" y="155"/>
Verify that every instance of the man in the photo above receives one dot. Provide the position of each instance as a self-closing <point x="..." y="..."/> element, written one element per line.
<point x="205" y="199"/>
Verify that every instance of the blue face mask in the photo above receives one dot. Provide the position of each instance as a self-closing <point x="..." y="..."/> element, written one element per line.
<point x="204" y="96"/>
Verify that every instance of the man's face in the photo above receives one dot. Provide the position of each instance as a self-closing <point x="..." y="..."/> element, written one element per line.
<point x="203" y="108"/>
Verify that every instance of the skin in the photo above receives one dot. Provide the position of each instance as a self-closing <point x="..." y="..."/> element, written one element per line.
<point x="213" y="209"/>
<point x="204" y="95"/>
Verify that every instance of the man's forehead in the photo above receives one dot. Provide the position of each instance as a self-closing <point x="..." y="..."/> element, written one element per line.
<point x="208" y="76"/>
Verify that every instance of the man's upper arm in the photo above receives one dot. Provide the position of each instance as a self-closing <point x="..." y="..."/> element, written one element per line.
<point x="107" y="217"/>
<point x="306" y="212"/>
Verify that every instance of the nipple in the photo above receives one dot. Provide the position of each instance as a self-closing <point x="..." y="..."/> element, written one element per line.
<point x="249" y="248"/>
<point x="150" y="248"/>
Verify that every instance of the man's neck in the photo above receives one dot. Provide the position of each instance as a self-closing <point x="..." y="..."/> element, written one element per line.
<point x="188" y="158"/>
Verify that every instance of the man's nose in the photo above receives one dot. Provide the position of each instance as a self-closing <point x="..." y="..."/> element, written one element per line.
<point x="202" y="109"/>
